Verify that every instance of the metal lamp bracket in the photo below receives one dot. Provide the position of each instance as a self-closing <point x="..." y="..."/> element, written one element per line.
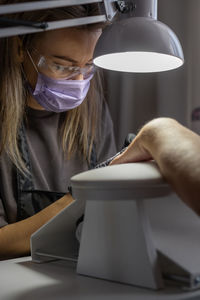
<point x="137" y="8"/>
<point x="125" y="6"/>
<point x="110" y="9"/>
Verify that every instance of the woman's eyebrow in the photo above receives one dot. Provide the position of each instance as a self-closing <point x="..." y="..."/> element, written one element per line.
<point x="69" y="58"/>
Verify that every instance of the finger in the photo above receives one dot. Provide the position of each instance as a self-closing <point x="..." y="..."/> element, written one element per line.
<point x="117" y="160"/>
<point x="133" y="153"/>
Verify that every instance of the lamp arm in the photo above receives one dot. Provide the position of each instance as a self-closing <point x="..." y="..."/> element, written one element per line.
<point x="32" y="27"/>
<point x="6" y="22"/>
<point x="39" y="5"/>
<point x="11" y="27"/>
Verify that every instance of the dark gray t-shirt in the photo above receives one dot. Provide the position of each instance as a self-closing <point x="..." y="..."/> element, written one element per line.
<point x="51" y="170"/>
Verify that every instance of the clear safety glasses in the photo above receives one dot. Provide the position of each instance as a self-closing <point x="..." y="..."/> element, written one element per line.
<point x="64" y="72"/>
<point x="50" y="67"/>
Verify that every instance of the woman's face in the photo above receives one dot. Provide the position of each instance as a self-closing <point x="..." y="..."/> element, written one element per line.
<point x="63" y="47"/>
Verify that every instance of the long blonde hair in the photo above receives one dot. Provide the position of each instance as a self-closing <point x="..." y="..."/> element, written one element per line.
<point x="79" y="126"/>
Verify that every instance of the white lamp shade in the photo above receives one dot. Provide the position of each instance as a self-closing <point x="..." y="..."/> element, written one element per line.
<point x="138" y="44"/>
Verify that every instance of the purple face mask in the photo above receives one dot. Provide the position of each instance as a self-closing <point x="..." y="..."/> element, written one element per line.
<point x="60" y="95"/>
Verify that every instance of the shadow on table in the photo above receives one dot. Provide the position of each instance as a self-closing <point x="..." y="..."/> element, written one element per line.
<point x="69" y="285"/>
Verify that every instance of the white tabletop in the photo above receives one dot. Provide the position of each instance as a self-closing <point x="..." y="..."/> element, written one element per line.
<point x="21" y="279"/>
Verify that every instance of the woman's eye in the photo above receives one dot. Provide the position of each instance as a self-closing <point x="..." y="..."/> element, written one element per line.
<point x="58" y="67"/>
<point x="73" y="69"/>
<point x="64" y="69"/>
<point x="89" y="66"/>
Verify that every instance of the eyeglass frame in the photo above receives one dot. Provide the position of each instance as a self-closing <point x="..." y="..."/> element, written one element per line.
<point x="78" y="70"/>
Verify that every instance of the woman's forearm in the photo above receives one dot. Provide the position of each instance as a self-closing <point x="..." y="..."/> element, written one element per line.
<point x="15" y="238"/>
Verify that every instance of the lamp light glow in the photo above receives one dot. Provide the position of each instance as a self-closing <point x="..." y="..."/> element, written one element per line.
<point x="138" y="62"/>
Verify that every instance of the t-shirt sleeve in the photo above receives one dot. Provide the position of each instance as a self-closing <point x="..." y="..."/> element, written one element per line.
<point x="8" y="204"/>
<point x="3" y="221"/>
<point x="106" y="146"/>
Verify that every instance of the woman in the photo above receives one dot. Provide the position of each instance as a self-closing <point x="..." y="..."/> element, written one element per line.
<point x="54" y="122"/>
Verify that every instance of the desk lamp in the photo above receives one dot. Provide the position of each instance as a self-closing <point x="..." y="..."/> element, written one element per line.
<point x="138" y="42"/>
<point x="135" y="42"/>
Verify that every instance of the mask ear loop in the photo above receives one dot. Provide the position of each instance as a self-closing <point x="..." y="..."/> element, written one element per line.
<point x="26" y="80"/>
<point x="32" y="61"/>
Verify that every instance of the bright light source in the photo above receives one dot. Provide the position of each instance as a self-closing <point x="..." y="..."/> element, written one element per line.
<point x="138" y="62"/>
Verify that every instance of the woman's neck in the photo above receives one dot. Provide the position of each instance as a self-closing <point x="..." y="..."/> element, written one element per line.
<point x="31" y="102"/>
